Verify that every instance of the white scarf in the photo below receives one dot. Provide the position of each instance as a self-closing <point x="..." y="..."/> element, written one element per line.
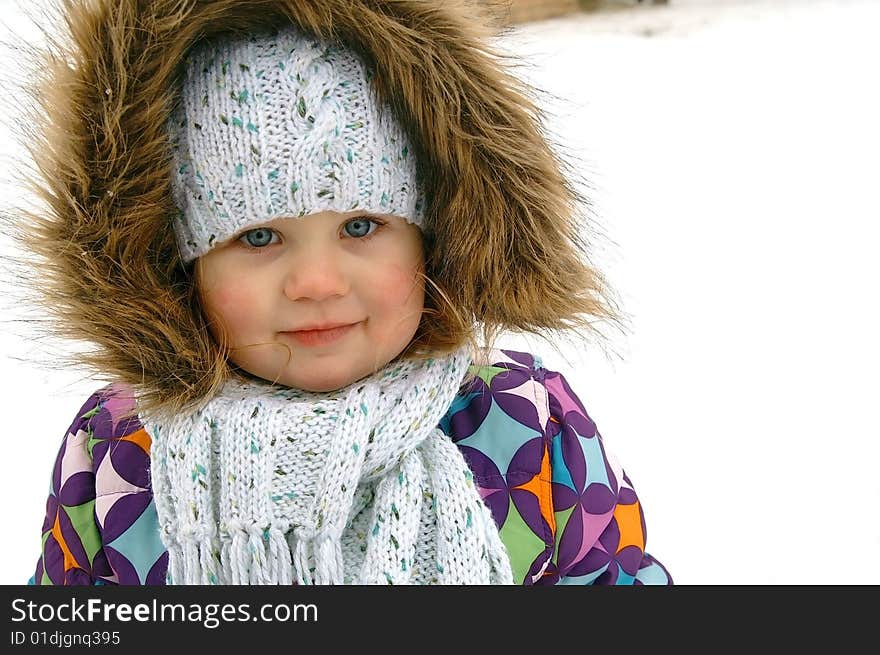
<point x="271" y="485"/>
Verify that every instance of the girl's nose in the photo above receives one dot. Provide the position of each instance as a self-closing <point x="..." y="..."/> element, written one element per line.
<point x="313" y="273"/>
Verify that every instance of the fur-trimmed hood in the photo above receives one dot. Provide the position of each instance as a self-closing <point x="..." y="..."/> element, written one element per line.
<point x="503" y="228"/>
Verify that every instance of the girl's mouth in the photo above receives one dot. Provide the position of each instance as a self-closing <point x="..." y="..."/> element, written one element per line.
<point x="320" y="337"/>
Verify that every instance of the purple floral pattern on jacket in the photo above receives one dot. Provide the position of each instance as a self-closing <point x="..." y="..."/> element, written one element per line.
<point x="566" y="511"/>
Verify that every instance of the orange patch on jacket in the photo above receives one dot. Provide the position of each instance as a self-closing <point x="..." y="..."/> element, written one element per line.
<point x="141" y="438"/>
<point x="541" y="486"/>
<point x="69" y="560"/>
<point x="629" y="522"/>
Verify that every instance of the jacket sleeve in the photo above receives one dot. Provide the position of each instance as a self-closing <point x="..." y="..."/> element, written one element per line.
<point x="71" y="540"/>
<point x="600" y="524"/>
<point x="99" y="486"/>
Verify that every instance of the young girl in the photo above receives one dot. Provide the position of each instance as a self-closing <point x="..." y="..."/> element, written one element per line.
<point x="292" y="230"/>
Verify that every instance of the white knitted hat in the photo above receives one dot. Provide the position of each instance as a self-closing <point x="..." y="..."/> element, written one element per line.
<point x="282" y="124"/>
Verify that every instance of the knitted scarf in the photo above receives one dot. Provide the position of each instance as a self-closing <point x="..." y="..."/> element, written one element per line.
<point x="272" y="485"/>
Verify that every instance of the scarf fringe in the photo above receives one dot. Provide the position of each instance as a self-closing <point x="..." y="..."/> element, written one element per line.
<point x="248" y="556"/>
<point x="252" y="556"/>
<point x="301" y="568"/>
<point x="281" y="563"/>
<point x="317" y="559"/>
<point x="328" y="561"/>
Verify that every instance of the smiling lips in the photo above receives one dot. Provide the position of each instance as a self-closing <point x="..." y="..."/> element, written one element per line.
<point x="320" y="337"/>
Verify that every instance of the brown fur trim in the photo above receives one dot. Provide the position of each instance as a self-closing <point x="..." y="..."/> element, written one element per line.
<point x="502" y="231"/>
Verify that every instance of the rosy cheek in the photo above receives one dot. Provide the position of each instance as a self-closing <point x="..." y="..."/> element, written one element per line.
<point x="231" y="304"/>
<point x="399" y="288"/>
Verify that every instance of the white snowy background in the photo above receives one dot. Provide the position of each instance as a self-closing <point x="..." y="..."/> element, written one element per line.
<point x="732" y="147"/>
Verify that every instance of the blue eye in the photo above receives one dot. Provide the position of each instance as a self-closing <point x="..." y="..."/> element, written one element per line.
<point x="360" y="227"/>
<point x="257" y="238"/>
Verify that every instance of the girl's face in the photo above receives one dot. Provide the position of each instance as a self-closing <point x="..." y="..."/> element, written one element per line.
<point x="273" y="287"/>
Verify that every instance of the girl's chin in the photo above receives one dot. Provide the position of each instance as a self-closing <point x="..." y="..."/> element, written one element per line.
<point x="316" y="372"/>
<point x="323" y="382"/>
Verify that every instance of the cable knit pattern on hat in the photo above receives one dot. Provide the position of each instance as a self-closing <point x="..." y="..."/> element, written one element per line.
<point x="282" y="125"/>
<point x="268" y="485"/>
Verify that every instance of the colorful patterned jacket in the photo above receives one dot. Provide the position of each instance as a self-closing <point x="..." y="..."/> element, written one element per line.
<point x="567" y="513"/>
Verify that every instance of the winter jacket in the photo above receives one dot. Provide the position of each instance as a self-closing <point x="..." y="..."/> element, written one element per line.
<point x="566" y="511"/>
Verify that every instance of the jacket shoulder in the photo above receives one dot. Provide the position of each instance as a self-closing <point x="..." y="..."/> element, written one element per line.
<point x="114" y="412"/>
<point x="505" y="358"/>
